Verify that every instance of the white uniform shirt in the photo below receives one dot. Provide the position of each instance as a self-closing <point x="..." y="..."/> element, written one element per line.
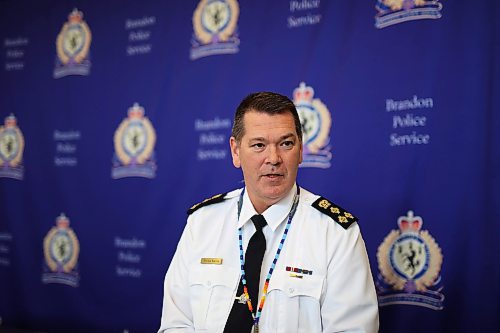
<point x="338" y="296"/>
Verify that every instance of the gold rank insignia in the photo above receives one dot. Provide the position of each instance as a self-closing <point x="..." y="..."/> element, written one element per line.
<point x="212" y="200"/>
<point x="337" y="213"/>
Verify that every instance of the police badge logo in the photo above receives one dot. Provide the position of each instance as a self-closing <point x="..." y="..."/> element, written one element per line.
<point x="73" y="45"/>
<point x="409" y="261"/>
<point x="316" y="122"/>
<point x="215" y="28"/>
<point x="61" y="249"/>
<point x="134" y="142"/>
<point x="11" y="149"/>
<point x="397" y="11"/>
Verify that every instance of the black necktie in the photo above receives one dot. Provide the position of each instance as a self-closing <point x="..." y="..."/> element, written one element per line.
<point x="240" y="319"/>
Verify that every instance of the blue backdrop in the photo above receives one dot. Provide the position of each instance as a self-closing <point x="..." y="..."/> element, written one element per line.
<point x="399" y="101"/>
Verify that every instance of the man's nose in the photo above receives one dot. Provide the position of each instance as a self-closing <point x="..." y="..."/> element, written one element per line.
<point x="273" y="157"/>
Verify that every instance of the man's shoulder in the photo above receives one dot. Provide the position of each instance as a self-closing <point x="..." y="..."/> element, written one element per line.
<point x="216" y="199"/>
<point x="327" y="207"/>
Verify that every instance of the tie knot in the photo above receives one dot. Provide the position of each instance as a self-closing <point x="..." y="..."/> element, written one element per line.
<point x="259" y="222"/>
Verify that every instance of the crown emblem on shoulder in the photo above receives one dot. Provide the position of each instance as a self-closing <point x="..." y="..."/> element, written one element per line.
<point x="337" y="213"/>
<point x="212" y="200"/>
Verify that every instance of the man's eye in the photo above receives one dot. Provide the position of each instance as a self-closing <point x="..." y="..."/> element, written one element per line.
<point x="258" y="145"/>
<point x="287" y="143"/>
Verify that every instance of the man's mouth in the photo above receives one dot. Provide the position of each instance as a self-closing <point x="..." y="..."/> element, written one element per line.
<point x="273" y="175"/>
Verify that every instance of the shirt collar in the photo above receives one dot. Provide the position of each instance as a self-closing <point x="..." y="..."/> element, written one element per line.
<point x="274" y="215"/>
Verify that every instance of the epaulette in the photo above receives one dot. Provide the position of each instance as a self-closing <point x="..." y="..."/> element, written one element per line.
<point x="337" y="213"/>
<point x="215" y="199"/>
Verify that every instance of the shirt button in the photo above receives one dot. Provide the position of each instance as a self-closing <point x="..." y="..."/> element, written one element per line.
<point x="209" y="283"/>
<point x="291" y="290"/>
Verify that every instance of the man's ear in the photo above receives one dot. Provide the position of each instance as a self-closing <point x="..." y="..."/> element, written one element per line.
<point x="300" y="148"/>
<point x="235" y="152"/>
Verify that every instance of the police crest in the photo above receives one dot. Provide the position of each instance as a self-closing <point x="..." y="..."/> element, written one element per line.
<point x="316" y="122"/>
<point x="215" y="28"/>
<point x="409" y="261"/>
<point x="61" y="249"/>
<point x="397" y="11"/>
<point x="73" y="46"/>
<point x="11" y="149"/>
<point x="134" y="143"/>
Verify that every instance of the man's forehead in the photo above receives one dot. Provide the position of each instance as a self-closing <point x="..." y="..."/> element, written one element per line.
<point x="260" y="118"/>
<point x="281" y="124"/>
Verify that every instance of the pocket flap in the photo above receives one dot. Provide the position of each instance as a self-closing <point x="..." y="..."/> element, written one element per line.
<point x="213" y="275"/>
<point x="308" y="285"/>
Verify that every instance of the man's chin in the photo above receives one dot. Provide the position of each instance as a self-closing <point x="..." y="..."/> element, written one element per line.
<point x="275" y="193"/>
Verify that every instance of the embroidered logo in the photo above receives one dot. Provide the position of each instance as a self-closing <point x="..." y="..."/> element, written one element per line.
<point x="397" y="11"/>
<point x="73" y="47"/>
<point x="61" y="249"/>
<point x="215" y="28"/>
<point x="134" y="141"/>
<point x="409" y="261"/>
<point x="316" y="123"/>
<point x="11" y="149"/>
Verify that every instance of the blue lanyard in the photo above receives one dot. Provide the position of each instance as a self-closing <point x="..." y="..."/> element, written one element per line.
<point x="256" y="317"/>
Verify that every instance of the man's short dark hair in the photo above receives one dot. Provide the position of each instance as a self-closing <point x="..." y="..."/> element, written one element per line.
<point x="265" y="102"/>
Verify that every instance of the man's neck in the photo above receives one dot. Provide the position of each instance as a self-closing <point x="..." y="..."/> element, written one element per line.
<point x="261" y="206"/>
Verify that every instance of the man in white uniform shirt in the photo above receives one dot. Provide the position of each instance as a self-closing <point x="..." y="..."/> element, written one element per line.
<point x="301" y="266"/>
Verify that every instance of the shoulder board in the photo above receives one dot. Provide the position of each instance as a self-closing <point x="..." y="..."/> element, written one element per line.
<point x="337" y="213"/>
<point x="215" y="199"/>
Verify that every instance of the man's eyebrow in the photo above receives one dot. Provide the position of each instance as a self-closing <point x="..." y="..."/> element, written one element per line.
<point x="283" y="137"/>
<point x="287" y="136"/>
<point x="257" y="139"/>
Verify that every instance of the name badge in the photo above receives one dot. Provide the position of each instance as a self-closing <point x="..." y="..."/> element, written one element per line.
<point x="211" y="261"/>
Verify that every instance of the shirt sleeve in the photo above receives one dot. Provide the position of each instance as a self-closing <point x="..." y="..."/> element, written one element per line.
<point x="176" y="312"/>
<point x="349" y="301"/>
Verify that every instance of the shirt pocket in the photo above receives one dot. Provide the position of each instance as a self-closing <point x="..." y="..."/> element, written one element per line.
<point x="211" y="293"/>
<point x="293" y="304"/>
